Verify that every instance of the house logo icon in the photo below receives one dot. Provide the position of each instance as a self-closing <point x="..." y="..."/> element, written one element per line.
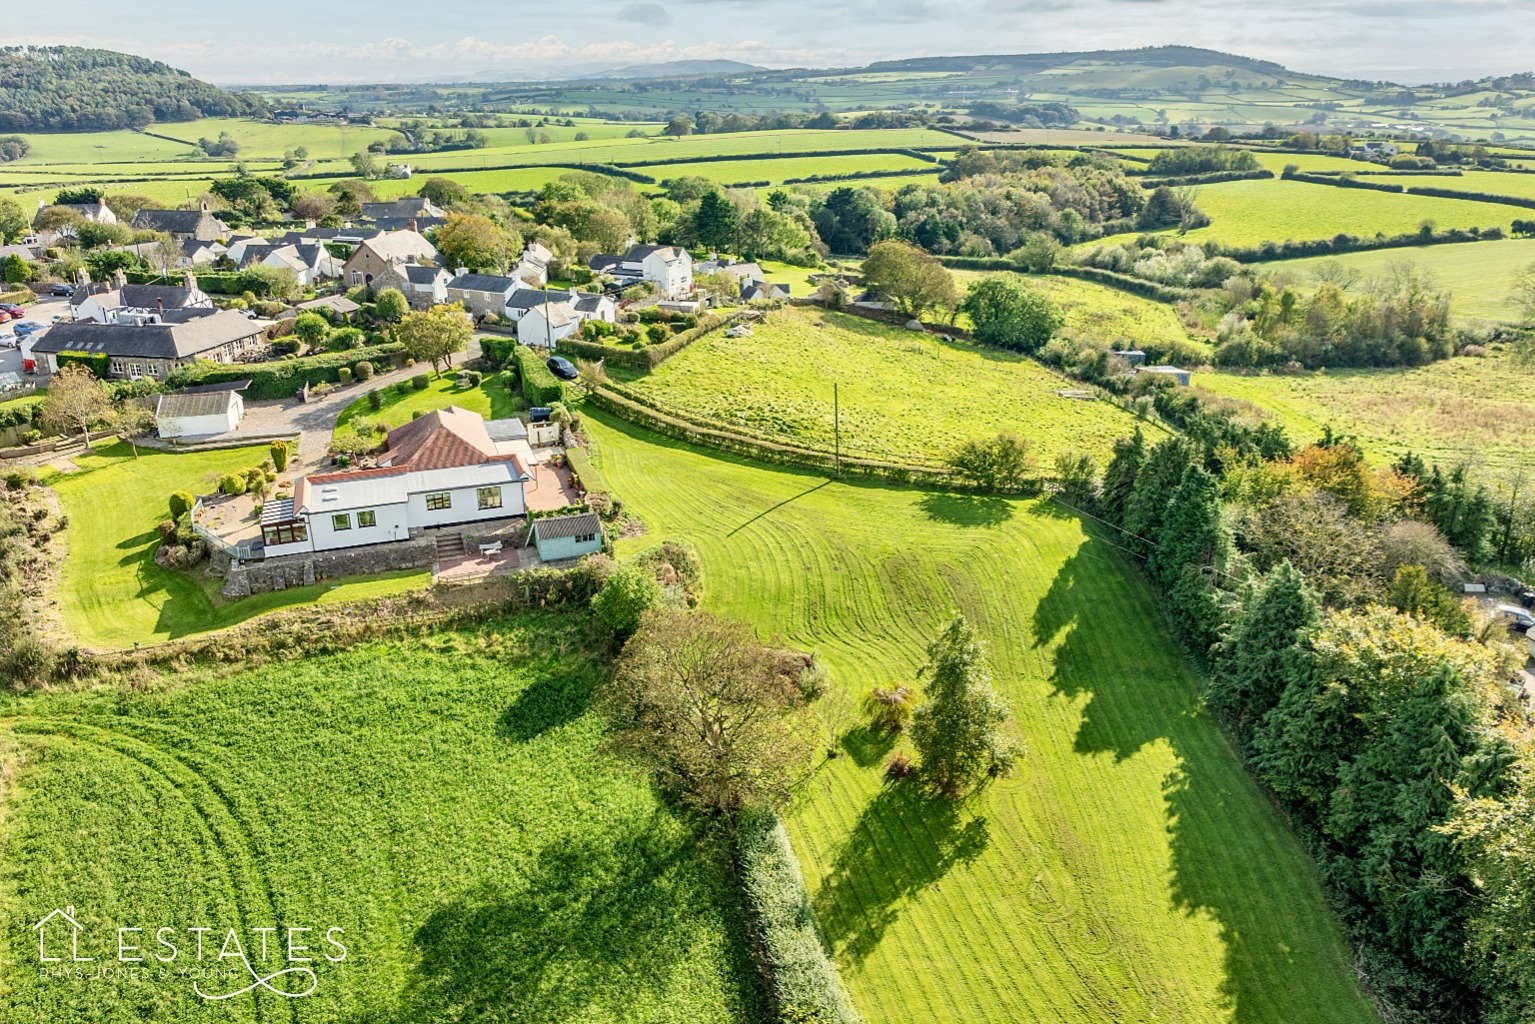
<point x="75" y="928"/>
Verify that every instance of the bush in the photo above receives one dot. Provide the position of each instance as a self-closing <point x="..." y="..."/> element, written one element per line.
<point x="29" y="662"/>
<point x="421" y="382"/>
<point x="470" y="378"/>
<point x="346" y="338"/>
<point x="232" y="483"/>
<point x="627" y="594"/>
<point x="899" y="766"/>
<point x="539" y="386"/>
<point x="799" y="974"/>
<point x="180" y="504"/>
<point x="344" y="375"/>
<point x="375" y="400"/>
<point x="656" y="333"/>
<point x="365" y="371"/>
<point x="281" y="378"/>
<point x="279" y="452"/>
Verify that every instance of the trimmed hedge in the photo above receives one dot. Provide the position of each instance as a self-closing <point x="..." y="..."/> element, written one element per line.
<point x="18" y="297"/>
<point x="1342" y="243"/>
<point x="581" y="466"/>
<point x="1317" y="179"/>
<point x="1202" y="179"/>
<point x="96" y="362"/>
<point x="214" y="282"/>
<point x="799" y="974"/>
<point x="539" y="386"/>
<point x="1479" y="197"/>
<point x="642" y="359"/>
<point x="285" y="378"/>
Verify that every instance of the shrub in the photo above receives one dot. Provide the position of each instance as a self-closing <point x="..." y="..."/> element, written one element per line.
<point x="29" y="662"/>
<point x="539" y="386"/>
<point x="344" y="375"/>
<point x="890" y="709"/>
<point x="365" y="371"/>
<point x="627" y="594"/>
<point x="181" y="503"/>
<point x="279" y="455"/>
<point x="232" y="483"/>
<point x="375" y="400"/>
<point x="420" y="382"/>
<point x="799" y="973"/>
<point x="899" y="766"/>
<point x="470" y="378"/>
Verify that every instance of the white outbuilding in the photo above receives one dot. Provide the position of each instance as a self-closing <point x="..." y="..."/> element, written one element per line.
<point x="199" y="414"/>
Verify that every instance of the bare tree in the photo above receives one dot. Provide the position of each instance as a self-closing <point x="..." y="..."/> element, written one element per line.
<point x="76" y="399"/>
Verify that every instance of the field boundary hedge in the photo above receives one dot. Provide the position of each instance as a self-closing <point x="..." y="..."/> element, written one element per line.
<point x="1266" y="252"/>
<point x="1343" y="182"/>
<point x="1210" y="178"/>
<point x="641" y="359"/>
<point x="1113" y="279"/>
<point x="284" y="378"/>
<point x="799" y="975"/>
<point x="738" y="157"/>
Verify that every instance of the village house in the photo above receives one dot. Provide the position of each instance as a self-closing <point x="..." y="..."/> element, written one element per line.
<point x="542" y="326"/>
<point x="757" y="291"/>
<point x="372" y="255"/>
<point x="442" y="469"/>
<point x="97" y="212"/>
<point x="135" y="350"/>
<point x="587" y="305"/>
<point x="668" y="267"/>
<point x="482" y="294"/>
<point x="199" y="225"/>
<point x="404" y="207"/>
<point x="338" y="306"/>
<point x="533" y="265"/>
<point x="309" y="262"/>
<point x="422" y="286"/>
<point x="118" y="301"/>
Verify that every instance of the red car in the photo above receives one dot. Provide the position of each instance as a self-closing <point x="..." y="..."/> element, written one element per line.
<point x="11" y="311"/>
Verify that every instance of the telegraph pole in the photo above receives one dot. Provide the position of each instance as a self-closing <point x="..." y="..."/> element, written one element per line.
<point x="836" y="426"/>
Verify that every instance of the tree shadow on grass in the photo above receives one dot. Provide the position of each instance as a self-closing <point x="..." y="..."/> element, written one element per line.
<point x="906" y="840"/>
<point x="966" y="509"/>
<point x="596" y="926"/>
<point x="547" y="703"/>
<point x="867" y="746"/>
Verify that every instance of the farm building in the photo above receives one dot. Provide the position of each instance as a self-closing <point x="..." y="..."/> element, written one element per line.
<point x="200" y="414"/>
<point x="442" y="469"/>
<point x="1176" y="373"/>
<point x="1133" y="356"/>
<point x="571" y="536"/>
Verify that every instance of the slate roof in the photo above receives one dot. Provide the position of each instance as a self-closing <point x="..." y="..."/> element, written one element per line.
<point x="399" y="246"/>
<point x="415" y="273"/>
<point x="483" y="283"/>
<point x="207" y="403"/>
<point x="150" y="341"/>
<point x="147" y="296"/>
<point x="576" y="525"/>
<point x="340" y="303"/>
<point x="527" y="298"/>
<point x="182" y="222"/>
<point x="509" y="429"/>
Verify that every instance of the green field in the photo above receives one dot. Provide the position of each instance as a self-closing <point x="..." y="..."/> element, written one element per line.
<point x="1130" y="870"/>
<point x="1251" y="212"/>
<point x="442" y="801"/>
<point x="1462" y="409"/>
<point x="728" y="172"/>
<point x="903" y="395"/>
<point x="114" y="595"/>
<point x="266" y="139"/>
<point x="1480" y="275"/>
<point x="491" y="400"/>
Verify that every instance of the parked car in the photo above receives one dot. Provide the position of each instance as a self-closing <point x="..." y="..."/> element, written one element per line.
<point x="562" y="368"/>
<point x="65" y="290"/>
<point x="59" y="318"/>
<point x="9" y="340"/>
<point x="11" y="311"/>
<point x="26" y="327"/>
<point x="1519" y="620"/>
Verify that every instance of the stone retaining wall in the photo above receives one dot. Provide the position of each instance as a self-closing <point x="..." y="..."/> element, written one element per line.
<point x="305" y="570"/>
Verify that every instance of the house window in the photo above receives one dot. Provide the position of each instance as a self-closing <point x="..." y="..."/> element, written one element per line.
<point x="438" y="502"/>
<point x="287" y="533"/>
<point x="490" y="497"/>
<point x="357" y="277"/>
<point x="341" y="521"/>
<point x="366" y="518"/>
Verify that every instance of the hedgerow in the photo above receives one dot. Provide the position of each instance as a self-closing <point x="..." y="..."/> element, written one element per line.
<point x="644" y="359"/>
<point x="539" y="386"/>
<point x="285" y="378"/>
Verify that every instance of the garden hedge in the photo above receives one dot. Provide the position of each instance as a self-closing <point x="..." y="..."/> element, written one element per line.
<point x="581" y="465"/>
<point x="539" y="386"/>
<point x="96" y="362"/>
<point x="18" y="297"/>
<point x="284" y="378"/>
<point x="642" y="359"/>
<point x="799" y="974"/>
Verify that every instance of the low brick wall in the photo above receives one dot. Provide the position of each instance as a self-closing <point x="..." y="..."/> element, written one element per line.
<point x="306" y="570"/>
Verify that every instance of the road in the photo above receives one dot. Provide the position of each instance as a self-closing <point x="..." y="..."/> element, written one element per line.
<point x="42" y="312"/>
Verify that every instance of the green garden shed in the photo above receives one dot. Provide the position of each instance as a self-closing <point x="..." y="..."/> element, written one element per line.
<point x="572" y="536"/>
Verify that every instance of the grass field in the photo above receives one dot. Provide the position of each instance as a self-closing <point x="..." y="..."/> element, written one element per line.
<point x="264" y="139"/>
<point x="1250" y="212"/>
<point x="729" y="172"/>
<point x="1462" y="409"/>
<point x="114" y="595"/>
<point x="1130" y="870"/>
<point x="442" y="801"/>
<point x="903" y="395"/>
<point x="491" y="400"/>
<point x="1480" y="275"/>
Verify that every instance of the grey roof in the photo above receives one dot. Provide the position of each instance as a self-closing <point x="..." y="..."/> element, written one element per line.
<point x="277" y="510"/>
<point x="415" y="273"/>
<point x="228" y="385"/>
<point x="181" y="316"/>
<point x="174" y="221"/>
<point x="405" y="206"/>
<point x="203" y="403"/>
<point x="510" y="429"/>
<point x="602" y="262"/>
<point x="404" y="223"/>
<point x="567" y="526"/>
<point x="340" y="303"/>
<point x="152" y="341"/>
<point x="587" y="302"/>
<point x="145" y="296"/>
<point x="527" y="298"/>
<point x="483" y="283"/>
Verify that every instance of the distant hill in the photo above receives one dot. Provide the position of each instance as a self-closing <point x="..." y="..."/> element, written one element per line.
<point x="69" y="88"/>
<point x="1023" y="63"/>
<point x="676" y="69"/>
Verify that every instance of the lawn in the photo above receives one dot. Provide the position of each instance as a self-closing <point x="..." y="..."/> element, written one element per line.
<point x="1480" y="275"/>
<point x="112" y="593"/>
<point x="1130" y="870"/>
<point x="903" y="395"/>
<point x="1251" y="212"/>
<point x="491" y="400"/>
<point x="443" y="801"/>
<point x="1461" y="409"/>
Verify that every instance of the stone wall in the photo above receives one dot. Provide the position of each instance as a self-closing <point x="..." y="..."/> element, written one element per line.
<point x="305" y="570"/>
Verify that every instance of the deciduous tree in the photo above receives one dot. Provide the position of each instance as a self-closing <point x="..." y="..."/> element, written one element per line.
<point x="1008" y="314"/>
<point x="433" y="335"/>
<point x="76" y="400"/>
<point x="915" y="280"/>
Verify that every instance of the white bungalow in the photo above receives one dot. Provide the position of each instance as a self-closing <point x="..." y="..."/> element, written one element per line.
<point x="446" y="468"/>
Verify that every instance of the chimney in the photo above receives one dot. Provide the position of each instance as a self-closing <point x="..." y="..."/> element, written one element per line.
<point x="461" y="271"/>
<point x="160" y="305"/>
<point x="411" y="223"/>
<point x="191" y="282"/>
<point x="85" y="278"/>
<point x="119" y="279"/>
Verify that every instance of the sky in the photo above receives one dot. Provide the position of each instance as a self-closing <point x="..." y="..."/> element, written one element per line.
<point x="292" y="41"/>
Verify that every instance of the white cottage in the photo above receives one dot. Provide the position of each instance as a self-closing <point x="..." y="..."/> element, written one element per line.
<point x="446" y="468"/>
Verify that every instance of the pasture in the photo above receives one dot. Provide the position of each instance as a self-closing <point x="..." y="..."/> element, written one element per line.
<point x="1130" y="869"/>
<point x="443" y="801"/>
<point x="1478" y="410"/>
<point x="113" y="594"/>
<point x="903" y="395"/>
<point x="729" y="172"/>
<point x="1480" y="275"/>
<point x="1251" y="212"/>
